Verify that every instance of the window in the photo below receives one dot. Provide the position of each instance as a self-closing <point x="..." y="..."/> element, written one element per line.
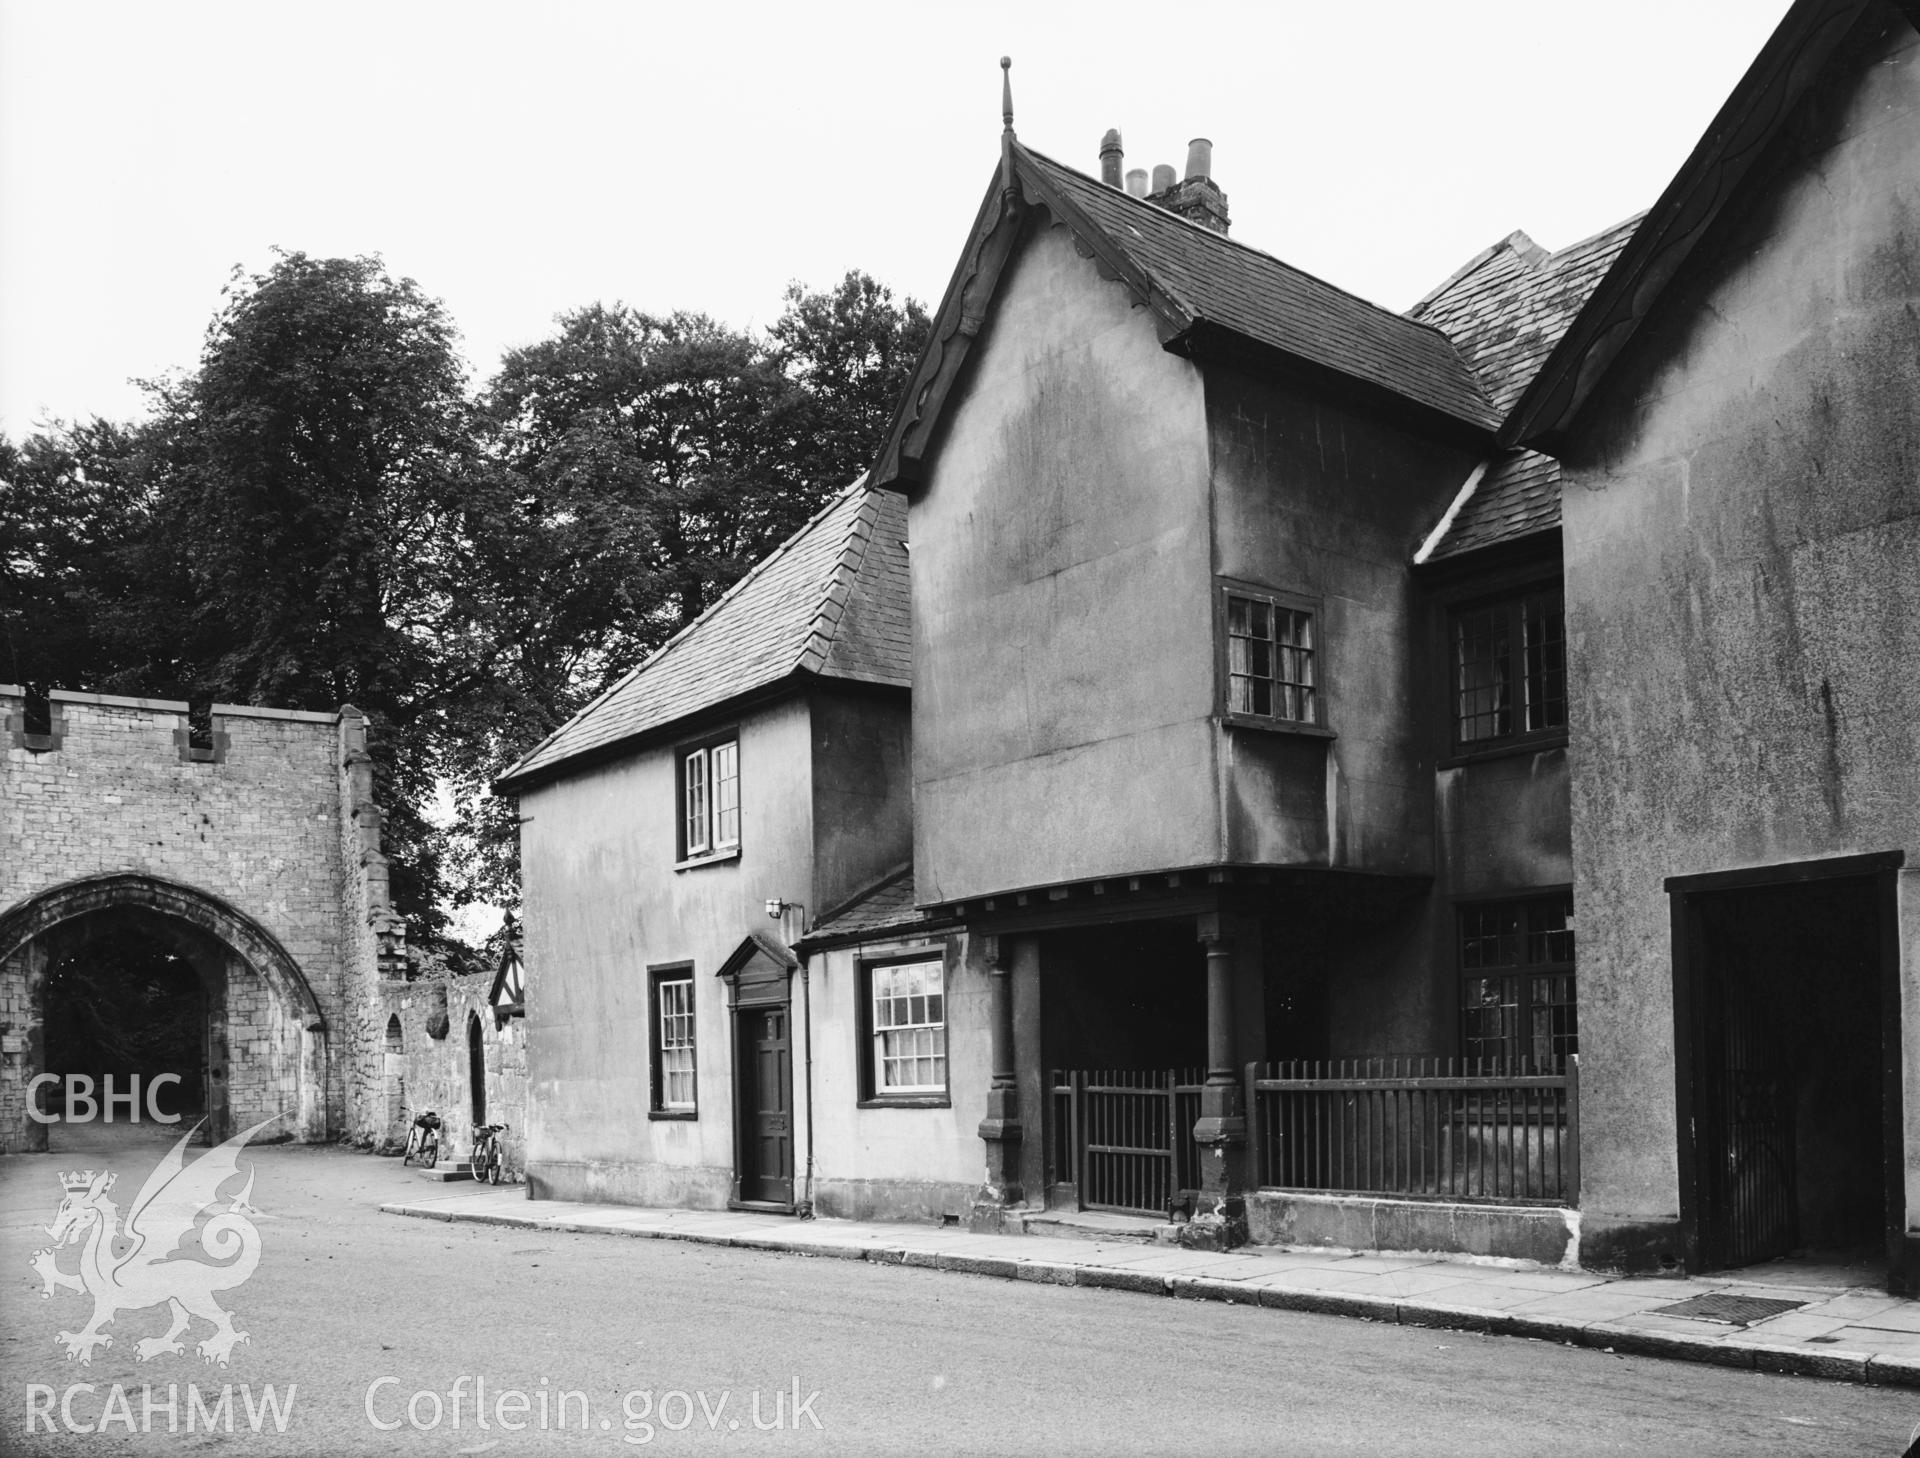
<point x="710" y="799"/>
<point x="906" y="1031"/>
<point x="1517" y="991"/>
<point x="1272" y="658"/>
<point x="1510" y="670"/>
<point x="673" y="1049"/>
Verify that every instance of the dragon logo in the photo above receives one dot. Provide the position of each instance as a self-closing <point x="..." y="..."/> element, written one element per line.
<point x="143" y="1263"/>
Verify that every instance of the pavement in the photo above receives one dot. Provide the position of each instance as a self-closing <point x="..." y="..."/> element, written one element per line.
<point x="1833" y="1329"/>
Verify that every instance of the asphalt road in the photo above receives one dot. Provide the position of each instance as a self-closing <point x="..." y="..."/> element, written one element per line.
<point x="362" y="1316"/>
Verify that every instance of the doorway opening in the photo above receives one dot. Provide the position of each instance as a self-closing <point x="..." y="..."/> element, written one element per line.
<point x="1788" y="1067"/>
<point x="394" y="1079"/>
<point x="477" y="1069"/>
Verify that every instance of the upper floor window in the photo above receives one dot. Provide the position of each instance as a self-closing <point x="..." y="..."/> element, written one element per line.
<point x="710" y="799"/>
<point x="906" y="1030"/>
<point x="1517" y="989"/>
<point x="1272" y="657"/>
<point x="1509" y="670"/>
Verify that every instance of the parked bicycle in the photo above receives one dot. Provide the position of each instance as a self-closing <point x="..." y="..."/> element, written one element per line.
<point x="488" y="1160"/>
<point x="423" y="1141"/>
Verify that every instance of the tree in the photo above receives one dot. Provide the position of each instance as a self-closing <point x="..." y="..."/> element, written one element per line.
<point x="642" y="464"/>
<point x="73" y="512"/>
<point x="851" y="351"/>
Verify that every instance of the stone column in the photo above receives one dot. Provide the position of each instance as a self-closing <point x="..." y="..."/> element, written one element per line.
<point x="1221" y="1132"/>
<point x="1000" y="1130"/>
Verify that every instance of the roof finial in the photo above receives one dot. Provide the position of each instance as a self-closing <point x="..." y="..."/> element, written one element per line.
<point x="1006" y="92"/>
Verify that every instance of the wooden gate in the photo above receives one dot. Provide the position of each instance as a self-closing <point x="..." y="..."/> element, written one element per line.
<point x="1744" y="1124"/>
<point x="1122" y="1139"/>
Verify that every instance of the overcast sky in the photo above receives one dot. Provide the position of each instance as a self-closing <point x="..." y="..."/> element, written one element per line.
<point x="520" y="159"/>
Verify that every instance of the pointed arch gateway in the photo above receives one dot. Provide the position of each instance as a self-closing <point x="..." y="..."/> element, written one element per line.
<point x="237" y="959"/>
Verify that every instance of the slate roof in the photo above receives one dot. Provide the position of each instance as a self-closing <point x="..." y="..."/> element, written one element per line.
<point x="885" y="909"/>
<point x="831" y="601"/>
<point x="1508" y="307"/>
<point x="1215" y="280"/>
<point x="1517" y="495"/>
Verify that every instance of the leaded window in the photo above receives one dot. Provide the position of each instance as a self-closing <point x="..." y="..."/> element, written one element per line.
<point x="1517" y="981"/>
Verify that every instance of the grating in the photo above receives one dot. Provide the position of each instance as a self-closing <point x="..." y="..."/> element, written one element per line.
<point x="1727" y="1309"/>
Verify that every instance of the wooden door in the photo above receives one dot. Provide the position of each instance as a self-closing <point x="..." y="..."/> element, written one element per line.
<point x="765" y="1109"/>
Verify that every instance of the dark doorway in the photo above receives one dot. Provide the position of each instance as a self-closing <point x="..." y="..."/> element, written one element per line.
<point x="1783" y="1069"/>
<point x="123" y="1006"/>
<point x="477" y="1069"/>
<point x="764" y="1057"/>
<point x="1130" y="996"/>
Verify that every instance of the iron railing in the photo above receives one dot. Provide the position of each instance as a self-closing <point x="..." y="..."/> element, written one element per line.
<point x="1122" y="1139"/>
<point x="1436" y="1128"/>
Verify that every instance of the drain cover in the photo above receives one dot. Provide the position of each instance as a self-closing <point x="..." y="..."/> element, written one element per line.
<point x="1728" y="1310"/>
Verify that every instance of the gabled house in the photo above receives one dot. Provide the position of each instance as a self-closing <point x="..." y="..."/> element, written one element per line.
<point x="1191" y="754"/>
<point x="674" y="834"/>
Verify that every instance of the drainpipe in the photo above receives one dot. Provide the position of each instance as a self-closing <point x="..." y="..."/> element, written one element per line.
<point x="806" y="991"/>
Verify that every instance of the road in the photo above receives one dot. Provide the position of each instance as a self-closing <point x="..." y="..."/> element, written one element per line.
<point x="362" y="1315"/>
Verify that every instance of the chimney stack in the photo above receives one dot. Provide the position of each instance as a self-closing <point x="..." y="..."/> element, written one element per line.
<point x="1137" y="182"/>
<point x="1111" y="157"/>
<point x="1197" y="198"/>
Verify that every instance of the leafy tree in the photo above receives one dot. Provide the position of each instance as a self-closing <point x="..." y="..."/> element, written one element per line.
<point x="73" y="511"/>
<point x="643" y="463"/>
<point x="320" y="514"/>
<point x="851" y="351"/>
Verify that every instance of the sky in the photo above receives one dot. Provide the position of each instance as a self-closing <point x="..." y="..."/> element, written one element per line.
<point x="521" y="160"/>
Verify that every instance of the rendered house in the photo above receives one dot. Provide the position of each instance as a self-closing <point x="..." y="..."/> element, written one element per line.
<point x="1737" y="413"/>
<point x="759" y="758"/>
<point x="1294" y="683"/>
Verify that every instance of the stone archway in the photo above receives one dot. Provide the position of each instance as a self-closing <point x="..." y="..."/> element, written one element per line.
<point x="266" y="1036"/>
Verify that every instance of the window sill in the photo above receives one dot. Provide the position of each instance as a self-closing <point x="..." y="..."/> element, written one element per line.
<point x="673" y="1113"/>
<point x="1276" y="726"/>
<point x="1506" y="749"/>
<point x="712" y="858"/>
<point x="908" y="1101"/>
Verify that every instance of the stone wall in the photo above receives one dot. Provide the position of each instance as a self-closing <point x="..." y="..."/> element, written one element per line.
<point x="261" y="852"/>
<point x="434" y="1072"/>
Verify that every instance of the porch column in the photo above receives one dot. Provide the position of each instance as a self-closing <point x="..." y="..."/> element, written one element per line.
<point x="1221" y="1131"/>
<point x="1000" y="1130"/>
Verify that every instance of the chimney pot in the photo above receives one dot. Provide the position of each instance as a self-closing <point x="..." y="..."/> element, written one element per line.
<point x="1200" y="158"/>
<point x="1163" y="177"/>
<point x="1111" y="157"/>
<point x="1137" y="182"/>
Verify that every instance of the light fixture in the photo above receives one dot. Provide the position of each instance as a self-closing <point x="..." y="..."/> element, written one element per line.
<point x="775" y="908"/>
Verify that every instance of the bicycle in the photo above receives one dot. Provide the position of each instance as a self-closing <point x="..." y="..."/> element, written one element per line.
<point x="423" y="1141"/>
<point x="488" y="1163"/>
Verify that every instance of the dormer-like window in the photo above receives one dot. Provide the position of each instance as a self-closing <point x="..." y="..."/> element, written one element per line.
<point x="1271" y="667"/>
<point x="710" y="799"/>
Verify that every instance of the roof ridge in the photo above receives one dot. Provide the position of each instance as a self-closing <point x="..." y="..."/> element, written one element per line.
<point x="1533" y="258"/>
<point x="832" y="610"/>
<point x="750" y="575"/>
<point x="1232" y="242"/>
<point x="1632" y="220"/>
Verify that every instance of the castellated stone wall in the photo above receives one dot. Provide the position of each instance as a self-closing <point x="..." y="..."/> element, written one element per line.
<point x="261" y="852"/>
